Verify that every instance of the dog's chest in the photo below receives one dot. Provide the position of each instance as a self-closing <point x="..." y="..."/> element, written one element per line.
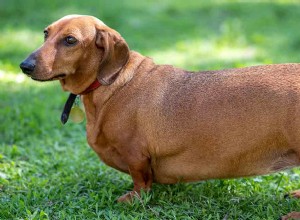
<point x="106" y="151"/>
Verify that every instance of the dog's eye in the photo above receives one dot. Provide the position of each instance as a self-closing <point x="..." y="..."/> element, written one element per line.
<point x="70" y="40"/>
<point x="46" y="34"/>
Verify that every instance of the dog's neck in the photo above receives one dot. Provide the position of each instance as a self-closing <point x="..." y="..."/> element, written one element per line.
<point x="126" y="74"/>
<point x="92" y="94"/>
<point x="99" y="97"/>
<point x="71" y="99"/>
<point x="92" y="87"/>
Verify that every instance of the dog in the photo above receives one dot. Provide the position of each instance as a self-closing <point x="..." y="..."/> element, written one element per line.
<point x="166" y="125"/>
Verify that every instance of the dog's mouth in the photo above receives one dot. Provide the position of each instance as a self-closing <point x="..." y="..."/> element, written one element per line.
<point x="57" y="77"/>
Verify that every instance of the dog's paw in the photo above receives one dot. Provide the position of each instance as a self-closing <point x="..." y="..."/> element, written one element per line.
<point x="128" y="197"/>
<point x="290" y="216"/>
<point x="295" y="194"/>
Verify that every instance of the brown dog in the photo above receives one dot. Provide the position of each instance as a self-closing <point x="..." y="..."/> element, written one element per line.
<point x="163" y="124"/>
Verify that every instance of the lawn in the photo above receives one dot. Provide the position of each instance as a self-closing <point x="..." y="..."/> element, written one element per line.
<point x="48" y="171"/>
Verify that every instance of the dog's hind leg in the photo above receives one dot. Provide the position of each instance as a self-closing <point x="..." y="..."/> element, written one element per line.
<point x="295" y="194"/>
<point x="292" y="215"/>
<point x="295" y="141"/>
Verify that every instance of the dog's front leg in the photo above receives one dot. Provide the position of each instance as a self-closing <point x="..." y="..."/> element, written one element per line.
<point x="141" y="174"/>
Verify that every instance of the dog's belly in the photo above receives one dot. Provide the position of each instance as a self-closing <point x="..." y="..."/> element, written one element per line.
<point x="267" y="157"/>
<point x="167" y="171"/>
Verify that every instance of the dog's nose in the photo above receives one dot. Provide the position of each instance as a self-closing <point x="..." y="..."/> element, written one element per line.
<point x="27" y="67"/>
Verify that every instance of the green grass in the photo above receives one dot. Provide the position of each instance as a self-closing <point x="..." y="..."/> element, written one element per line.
<point x="47" y="171"/>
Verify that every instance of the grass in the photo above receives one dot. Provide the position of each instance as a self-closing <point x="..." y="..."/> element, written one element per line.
<point x="47" y="171"/>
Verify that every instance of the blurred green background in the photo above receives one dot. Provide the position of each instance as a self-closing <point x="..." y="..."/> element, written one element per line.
<point x="191" y="34"/>
<point x="47" y="171"/>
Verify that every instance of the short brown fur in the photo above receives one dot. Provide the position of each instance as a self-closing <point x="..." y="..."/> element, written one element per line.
<point x="163" y="124"/>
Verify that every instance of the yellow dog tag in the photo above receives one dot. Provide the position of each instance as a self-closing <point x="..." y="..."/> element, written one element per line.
<point x="76" y="114"/>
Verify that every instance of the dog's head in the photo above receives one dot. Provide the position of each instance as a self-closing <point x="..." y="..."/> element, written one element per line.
<point x="77" y="50"/>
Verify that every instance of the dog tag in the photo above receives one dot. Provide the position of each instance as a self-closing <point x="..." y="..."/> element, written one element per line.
<point x="76" y="114"/>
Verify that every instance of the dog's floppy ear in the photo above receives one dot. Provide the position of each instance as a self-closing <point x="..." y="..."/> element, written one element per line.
<point x="115" y="55"/>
